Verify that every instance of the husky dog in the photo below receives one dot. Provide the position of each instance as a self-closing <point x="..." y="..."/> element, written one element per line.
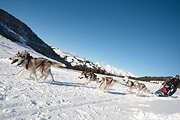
<point x="106" y="83"/>
<point x="140" y="88"/>
<point x="128" y="83"/>
<point x="89" y="76"/>
<point x="29" y="63"/>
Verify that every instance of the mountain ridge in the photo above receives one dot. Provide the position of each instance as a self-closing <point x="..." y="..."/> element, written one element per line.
<point x="75" y="59"/>
<point x="17" y="31"/>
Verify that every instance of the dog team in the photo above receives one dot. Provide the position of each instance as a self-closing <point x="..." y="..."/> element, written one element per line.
<point x="28" y="63"/>
<point x="105" y="83"/>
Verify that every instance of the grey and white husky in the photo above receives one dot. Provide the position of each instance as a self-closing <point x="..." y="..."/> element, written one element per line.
<point x="106" y="83"/>
<point x="140" y="88"/>
<point x="103" y="82"/>
<point x="27" y="62"/>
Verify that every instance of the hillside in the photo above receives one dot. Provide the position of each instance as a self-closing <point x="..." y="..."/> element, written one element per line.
<point x="17" y="31"/>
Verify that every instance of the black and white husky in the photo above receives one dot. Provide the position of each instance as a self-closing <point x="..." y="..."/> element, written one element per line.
<point x="89" y="76"/>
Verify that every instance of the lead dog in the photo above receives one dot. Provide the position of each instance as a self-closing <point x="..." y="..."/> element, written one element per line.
<point x="106" y="83"/>
<point x="31" y="64"/>
<point x="140" y="88"/>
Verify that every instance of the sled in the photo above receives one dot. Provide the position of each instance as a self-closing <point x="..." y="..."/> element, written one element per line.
<point x="162" y="92"/>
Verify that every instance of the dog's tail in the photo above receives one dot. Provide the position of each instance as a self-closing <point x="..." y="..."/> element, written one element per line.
<point x="55" y="64"/>
<point x="117" y="80"/>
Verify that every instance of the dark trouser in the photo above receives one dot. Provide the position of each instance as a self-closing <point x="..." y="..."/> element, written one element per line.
<point x="172" y="91"/>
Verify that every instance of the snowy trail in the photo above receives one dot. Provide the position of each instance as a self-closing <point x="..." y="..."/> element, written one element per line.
<point x="66" y="98"/>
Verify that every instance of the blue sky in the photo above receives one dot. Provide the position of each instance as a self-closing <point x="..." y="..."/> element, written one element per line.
<point x="141" y="36"/>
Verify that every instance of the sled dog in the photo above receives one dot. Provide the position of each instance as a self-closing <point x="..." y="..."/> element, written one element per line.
<point x="27" y="62"/>
<point x="140" y="88"/>
<point x="129" y="84"/>
<point x="89" y="76"/>
<point x="106" y="83"/>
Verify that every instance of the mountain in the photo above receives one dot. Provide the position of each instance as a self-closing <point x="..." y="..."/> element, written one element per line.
<point x="17" y="31"/>
<point x="75" y="59"/>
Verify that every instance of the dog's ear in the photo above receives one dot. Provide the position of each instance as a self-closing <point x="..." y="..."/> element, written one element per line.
<point x="27" y="55"/>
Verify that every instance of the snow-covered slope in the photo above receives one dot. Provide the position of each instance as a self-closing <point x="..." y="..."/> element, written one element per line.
<point x="17" y="31"/>
<point x="114" y="70"/>
<point x="9" y="48"/>
<point x="23" y="99"/>
<point x="75" y="59"/>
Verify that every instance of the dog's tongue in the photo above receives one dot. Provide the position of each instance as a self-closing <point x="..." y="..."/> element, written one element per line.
<point x="12" y="62"/>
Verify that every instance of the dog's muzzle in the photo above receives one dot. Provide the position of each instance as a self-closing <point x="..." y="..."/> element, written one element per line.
<point x="14" y="61"/>
<point x="80" y="77"/>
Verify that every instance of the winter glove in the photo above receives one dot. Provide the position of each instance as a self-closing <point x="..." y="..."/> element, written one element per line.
<point x="172" y="86"/>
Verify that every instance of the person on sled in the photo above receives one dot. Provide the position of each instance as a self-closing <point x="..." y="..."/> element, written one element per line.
<point x="172" y="85"/>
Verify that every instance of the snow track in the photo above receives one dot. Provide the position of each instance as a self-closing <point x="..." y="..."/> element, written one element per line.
<point x="66" y="98"/>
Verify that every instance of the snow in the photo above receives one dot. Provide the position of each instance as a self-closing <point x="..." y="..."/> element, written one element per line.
<point x="67" y="99"/>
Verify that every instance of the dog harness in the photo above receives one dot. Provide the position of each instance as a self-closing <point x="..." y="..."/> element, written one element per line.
<point x="126" y="83"/>
<point x="27" y="64"/>
<point x="42" y="63"/>
<point x="110" y="79"/>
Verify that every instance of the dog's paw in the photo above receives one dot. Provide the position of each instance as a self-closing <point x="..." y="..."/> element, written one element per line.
<point x="138" y="94"/>
<point x="105" y="91"/>
<point x="98" y="87"/>
<point x="36" y="81"/>
<point x="32" y="78"/>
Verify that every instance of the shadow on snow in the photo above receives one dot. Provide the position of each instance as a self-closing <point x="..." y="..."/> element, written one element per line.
<point x="69" y="84"/>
